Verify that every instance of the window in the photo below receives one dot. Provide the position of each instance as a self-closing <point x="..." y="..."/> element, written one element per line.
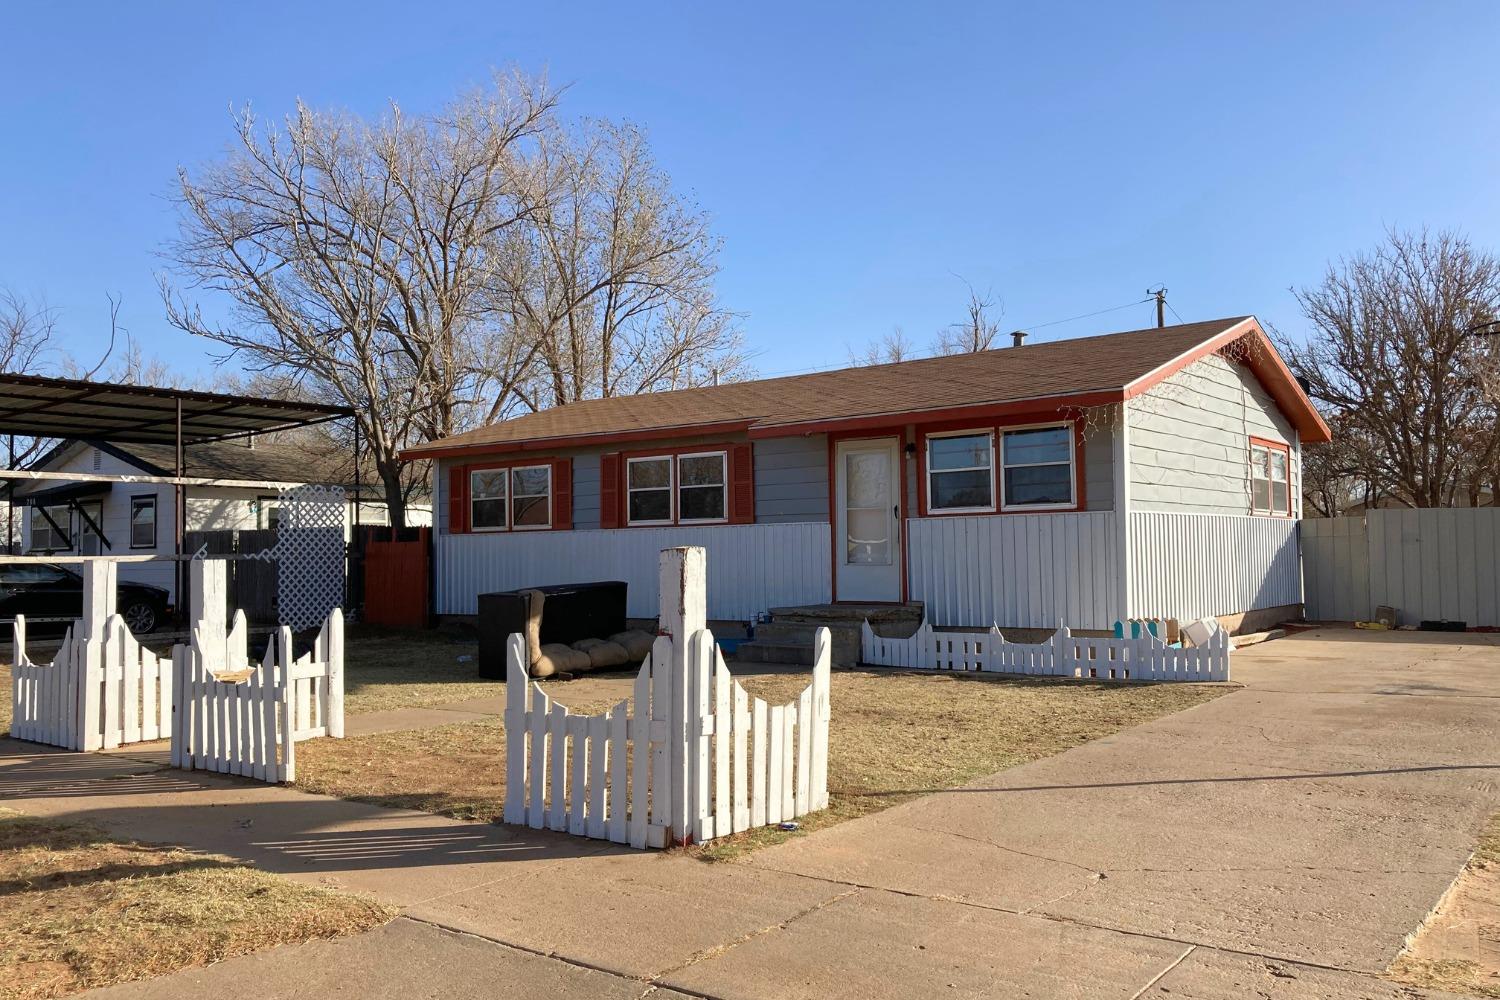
<point x="648" y="486"/>
<point x="143" y="522"/>
<point x="1270" y="480"/>
<point x="44" y="537"/>
<point x="701" y="492"/>
<point x="960" y="472"/>
<point x="1037" y="464"/>
<point x="531" y="497"/>
<point x="487" y="495"/>
<point x="268" y="513"/>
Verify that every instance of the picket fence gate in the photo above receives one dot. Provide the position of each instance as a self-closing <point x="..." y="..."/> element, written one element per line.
<point x="101" y="690"/>
<point x="689" y="758"/>
<point x="234" y="716"/>
<point x="1145" y="658"/>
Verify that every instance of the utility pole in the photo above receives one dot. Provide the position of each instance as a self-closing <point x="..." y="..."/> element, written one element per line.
<point x="1160" y="294"/>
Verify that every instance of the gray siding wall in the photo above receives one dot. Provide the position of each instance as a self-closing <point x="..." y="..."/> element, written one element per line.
<point x="1099" y="462"/>
<point x="791" y="479"/>
<point x="1189" y="440"/>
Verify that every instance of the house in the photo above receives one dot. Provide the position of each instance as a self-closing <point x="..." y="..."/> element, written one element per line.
<point x="1150" y="472"/>
<point x="92" y="517"/>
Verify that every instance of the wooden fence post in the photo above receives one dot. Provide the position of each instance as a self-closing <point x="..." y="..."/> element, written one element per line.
<point x="516" y="683"/>
<point x="335" y="648"/>
<point x="284" y="660"/>
<point x="682" y="580"/>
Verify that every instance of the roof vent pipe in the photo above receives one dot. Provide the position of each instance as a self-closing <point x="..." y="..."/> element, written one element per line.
<point x="1018" y="338"/>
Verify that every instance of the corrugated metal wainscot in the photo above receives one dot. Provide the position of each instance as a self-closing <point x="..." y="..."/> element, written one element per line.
<point x="751" y="567"/>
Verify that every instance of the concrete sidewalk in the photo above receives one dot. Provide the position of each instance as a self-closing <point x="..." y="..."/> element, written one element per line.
<point x="1282" y="839"/>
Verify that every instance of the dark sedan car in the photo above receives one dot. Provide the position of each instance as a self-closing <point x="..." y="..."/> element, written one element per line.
<point x="45" y="593"/>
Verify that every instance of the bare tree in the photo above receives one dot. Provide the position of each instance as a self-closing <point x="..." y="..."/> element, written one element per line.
<point x="1391" y="356"/>
<point x="978" y="330"/>
<point x="611" y="280"/>
<point x="894" y="346"/>
<point x="360" y="257"/>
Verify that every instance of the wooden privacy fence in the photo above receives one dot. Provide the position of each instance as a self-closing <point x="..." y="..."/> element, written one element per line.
<point x="238" y="717"/>
<point x="396" y="577"/>
<point x="1145" y="658"/>
<point x="691" y="757"/>
<point x="101" y="690"/>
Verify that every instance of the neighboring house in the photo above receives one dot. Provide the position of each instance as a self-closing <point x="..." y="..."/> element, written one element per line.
<point x="103" y="518"/>
<point x="1079" y="481"/>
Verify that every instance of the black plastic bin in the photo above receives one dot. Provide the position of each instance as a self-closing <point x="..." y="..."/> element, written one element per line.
<point x="570" y="611"/>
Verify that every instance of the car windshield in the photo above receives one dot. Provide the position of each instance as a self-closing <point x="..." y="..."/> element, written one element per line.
<point x="35" y="574"/>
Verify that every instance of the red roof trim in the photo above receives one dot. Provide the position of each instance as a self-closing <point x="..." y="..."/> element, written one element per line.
<point x="1268" y="367"/>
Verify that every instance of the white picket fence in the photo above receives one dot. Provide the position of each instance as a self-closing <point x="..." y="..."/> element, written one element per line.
<point x="222" y="713"/>
<point x="1146" y="658"/>
<point x="238" y="717"/>
<point x="690" y="758"/>
<point x="101" y="690"/>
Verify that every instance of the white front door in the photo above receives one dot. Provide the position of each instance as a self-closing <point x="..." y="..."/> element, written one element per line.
<point x="867" y="532"/>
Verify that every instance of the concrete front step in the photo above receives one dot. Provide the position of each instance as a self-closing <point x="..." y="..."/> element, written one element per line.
<point x="766" y="651"/>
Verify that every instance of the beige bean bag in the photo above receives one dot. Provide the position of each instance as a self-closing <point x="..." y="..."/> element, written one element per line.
<point x="636" y="643"/>
<point x="602" y="653"/>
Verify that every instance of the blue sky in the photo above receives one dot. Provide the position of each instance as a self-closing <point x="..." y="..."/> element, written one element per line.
<point x="854" y="157"/>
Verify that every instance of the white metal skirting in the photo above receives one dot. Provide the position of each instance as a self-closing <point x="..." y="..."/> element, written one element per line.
<point x="1199" y="565"/>
<point x="751" y="567"/>
<point x="1435" y="563"/>
<point x="1021" y="571"/>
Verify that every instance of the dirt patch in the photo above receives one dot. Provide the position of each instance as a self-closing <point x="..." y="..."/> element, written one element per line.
<point x="892" y="737"/>
<point x="1459" y="948"/>
<point x="84" y="910"/>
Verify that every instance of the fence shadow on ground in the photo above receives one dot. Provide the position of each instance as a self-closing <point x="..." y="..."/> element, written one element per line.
<point x="270" y="828"/>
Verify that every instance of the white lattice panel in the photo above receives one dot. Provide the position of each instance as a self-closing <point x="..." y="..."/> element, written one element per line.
<point x="309" y="553"/>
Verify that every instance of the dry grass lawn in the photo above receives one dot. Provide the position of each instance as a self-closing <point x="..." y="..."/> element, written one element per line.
<point x="394" y="668"/>
<point x="83" y="910"/>
<point x="1459" y="949"/>
<point x="892" y="737"/>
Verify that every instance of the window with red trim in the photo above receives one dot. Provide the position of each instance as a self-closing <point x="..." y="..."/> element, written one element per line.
<point x="516" y="497"/>
<point x="685" y="488"/>
<point x="1270" y="478"/>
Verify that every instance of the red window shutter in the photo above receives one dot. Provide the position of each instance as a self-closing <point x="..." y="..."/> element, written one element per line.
<point x="562" y="494"/>
<point x="609" y="490"/>
<point x="741" y="484"/>
<point x="458" y="499"/>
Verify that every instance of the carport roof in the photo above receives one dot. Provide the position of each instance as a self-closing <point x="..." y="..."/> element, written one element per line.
<point x="38" y="406"/>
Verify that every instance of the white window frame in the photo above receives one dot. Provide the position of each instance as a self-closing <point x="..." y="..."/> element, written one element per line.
<point x="504" y="524"/>
<point x="510" y="500"/>
<point x="141" y="500"/>
<point x="1267" y="448"/>
<point x="671" y="489"/>
<point x="723" y="457"/>
<point x="37" y="520"/>
<point x="1072" y="503"/>
<point x="988" y="432"/>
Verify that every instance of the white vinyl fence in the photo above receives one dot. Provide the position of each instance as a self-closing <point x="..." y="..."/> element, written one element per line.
<point x="101" y="690"/>
<point x="238" y="717"/>
<point x="690" y="758"/>
<point x="1434" y="564"/>
<point x="1146" y="658"/>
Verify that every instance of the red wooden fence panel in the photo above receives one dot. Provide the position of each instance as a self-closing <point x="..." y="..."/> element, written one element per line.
<point x="396" y="581"/>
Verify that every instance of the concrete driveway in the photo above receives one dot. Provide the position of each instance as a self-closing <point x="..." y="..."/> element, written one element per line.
<point x="1280" y="841"/>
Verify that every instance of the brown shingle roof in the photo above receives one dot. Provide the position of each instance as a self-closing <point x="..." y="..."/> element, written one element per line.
<point x="1064" y="368"/>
